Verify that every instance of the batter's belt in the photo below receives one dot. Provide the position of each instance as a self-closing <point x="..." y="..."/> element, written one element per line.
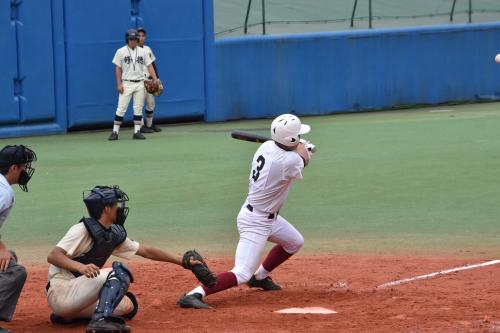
<point x="271" y="216"/>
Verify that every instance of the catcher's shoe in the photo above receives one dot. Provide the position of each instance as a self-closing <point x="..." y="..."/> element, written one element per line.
<point x="138" y="136"/>
<point x="192" y="301"/>
<point x="264" y="284"/>
<point x="108" y="325"/>
<point x="113" y="136"/>
<point x="58" y="320"/>
<point x="156" y="128"/>
<point x="145" y="129"/>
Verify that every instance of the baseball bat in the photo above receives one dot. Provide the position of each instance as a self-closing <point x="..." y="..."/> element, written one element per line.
<point x="246" y="136"/>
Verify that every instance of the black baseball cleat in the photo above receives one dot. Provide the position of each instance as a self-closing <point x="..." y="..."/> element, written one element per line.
<point x="145" y="129"/>
<point x="58" y="320"/>
<point x="155" y="128"/>
<point x="113" y="136"/>
<point x="138" y="136"/>
<point x="108" y="325"/>
<point x="194" y="301"/>
<point x="264" y="284"/>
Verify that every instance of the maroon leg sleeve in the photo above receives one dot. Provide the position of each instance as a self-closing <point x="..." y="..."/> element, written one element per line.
<point x="276" y="257"/>
<point x="225" y="281"/>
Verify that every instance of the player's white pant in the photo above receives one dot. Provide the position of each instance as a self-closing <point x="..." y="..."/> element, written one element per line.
<point x="149" y="99"/>
<point x="77" y="297"/>
<point x="255" y="230"/>
<point x="131" y="89"/>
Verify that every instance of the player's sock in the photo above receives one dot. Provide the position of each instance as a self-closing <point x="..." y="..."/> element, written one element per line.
<point x="117" y="123"/>
<point x="198" y="290"/>
<point x="225" y="281"/>
<point x="261" y="273"/>
<point x="149" y="118"/>
<point x="137" y="123"/>
<point x="276" y="257"/>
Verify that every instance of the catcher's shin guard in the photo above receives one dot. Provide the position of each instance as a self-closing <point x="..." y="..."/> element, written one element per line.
<point x="113" y="290"/>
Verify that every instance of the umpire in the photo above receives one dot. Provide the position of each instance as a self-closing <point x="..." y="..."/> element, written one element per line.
<point x="15" y="168"/>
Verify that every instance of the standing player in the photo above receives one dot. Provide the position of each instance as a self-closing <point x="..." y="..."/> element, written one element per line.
<point x="275" y="164"/>
<point x="131" y="62"/>
<point x="15" y="168"/>
<point x="78" y="286"/>
<point x="148" y="126"/>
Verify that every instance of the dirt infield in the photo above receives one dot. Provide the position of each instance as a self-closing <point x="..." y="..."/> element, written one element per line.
<point x="468" y="301"/>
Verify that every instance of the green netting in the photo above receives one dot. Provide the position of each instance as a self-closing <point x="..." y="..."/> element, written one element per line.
<point x="295" y="16"/>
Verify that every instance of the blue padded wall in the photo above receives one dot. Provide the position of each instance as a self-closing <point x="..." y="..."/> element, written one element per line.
<point x="264" y="76"/>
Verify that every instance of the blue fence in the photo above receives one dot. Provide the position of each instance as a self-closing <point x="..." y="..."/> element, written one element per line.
<point x="356" y="70"/>
<point x="59" y="73"/>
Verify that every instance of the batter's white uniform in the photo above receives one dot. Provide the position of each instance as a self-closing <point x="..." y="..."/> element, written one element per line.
<point x="133" y="63"/>
<point x="76" y="297"/>
<point x="273" y="170"/>
<point x="149" y="98"/>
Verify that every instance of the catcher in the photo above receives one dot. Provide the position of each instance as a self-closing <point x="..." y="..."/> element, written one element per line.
<point x="80" y="288"/>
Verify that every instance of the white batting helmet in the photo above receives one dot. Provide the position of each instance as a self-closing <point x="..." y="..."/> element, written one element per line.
<point x="286" y="129"/>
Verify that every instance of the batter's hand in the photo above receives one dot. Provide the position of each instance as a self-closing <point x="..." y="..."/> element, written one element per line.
<point x="91" y="271"/>
<point x="4" y="260"/>
<point x="120" y="88"/>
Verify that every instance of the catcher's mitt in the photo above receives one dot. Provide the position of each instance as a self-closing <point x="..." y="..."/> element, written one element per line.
<point x="201" y="271"/>
<point x="159" y="91"/>
<point x="151" y="86"/>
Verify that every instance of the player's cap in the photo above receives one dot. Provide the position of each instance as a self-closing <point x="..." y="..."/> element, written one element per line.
<point x="141" y="29"/>
<point x="131" y="34"/>
<point x="286" y="129"/>
<point x="16" y="154"/>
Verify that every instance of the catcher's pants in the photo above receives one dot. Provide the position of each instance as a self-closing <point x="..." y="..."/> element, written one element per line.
<point x="77" y="297"/>
<point x="255" y="230"/>
<point x="131" y="90"/>
<point x="11" y="284"/>
<point x="149" y="99"/>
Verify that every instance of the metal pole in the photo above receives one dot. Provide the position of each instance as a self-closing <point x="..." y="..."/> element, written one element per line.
<point x="452" y="10"/>
<point x="470" y="11"/>
<point x="263" y="17"/>
<point x="370" y="12"/>
<point x="246" y="17"/>
<point x="353" y="12"/>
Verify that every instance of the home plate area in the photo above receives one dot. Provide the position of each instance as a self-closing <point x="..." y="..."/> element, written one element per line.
<point x="313" y="310"/>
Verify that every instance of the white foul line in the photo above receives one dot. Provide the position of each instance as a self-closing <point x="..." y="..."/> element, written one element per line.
<point x="430" y="275"/>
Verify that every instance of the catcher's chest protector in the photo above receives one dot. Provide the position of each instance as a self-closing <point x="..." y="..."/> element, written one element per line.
<point x="105" y="242"/>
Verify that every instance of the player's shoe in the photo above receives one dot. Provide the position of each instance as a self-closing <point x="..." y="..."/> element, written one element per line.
<point x="3" y="330"/>
<point x="58" y="320"/>
<point x="138" y="136"/>
<point x="145" y="129"/>
<point x="264" y="284"/>
<point x="108" y="325"/>
<point x="193" y="301"/>
<point x="156" y="128"/>
<point x="113" y="136"/>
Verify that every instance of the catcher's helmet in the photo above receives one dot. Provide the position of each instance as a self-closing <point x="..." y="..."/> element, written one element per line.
<point x="286" y="129"/>
<point x="102" y="196"/>
<point x="131" y="34"/>
<point x="18" y="154"/>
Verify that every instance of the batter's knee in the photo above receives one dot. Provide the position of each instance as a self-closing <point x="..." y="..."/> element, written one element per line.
<point x="295" y="245"/>
<point x="242" y="276"/>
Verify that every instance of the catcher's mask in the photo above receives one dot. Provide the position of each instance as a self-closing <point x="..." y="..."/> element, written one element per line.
<point x="18" y="155"/>
<point x="101" y="196"/>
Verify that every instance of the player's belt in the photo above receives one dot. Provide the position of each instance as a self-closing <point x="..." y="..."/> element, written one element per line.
<point x="270" y="216"/>
<point x="133" y="81"/>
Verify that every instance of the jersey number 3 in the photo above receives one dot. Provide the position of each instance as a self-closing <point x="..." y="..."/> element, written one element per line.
<point x="256" y="173"/>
